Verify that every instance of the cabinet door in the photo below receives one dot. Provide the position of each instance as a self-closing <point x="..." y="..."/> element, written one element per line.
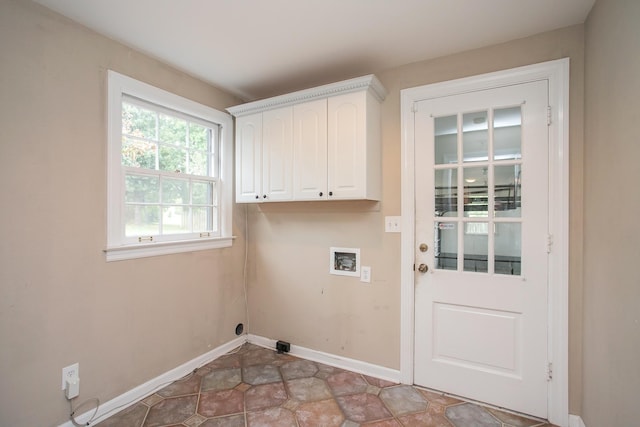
<point x="277" y="154"/>
<point x="310" y="150"/>
<point x="248" y="158"/>
<point x="347" y="146"/>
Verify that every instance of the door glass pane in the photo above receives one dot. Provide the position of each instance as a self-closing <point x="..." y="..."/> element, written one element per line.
<point x="508" y="191"/>
<point x="507" y="133"/>
<point x="475" y="137"/>
<point x="446" y="140"/>
<point x="446" y="194"/>
<point x="476" y="250"/>
<point x="508" y="248"/>
<point x="476" y="196"/>
<point x="446" y="245"/>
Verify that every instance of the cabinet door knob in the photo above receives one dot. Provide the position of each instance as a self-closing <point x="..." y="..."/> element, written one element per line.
<point x="257" y="196"/>
<point x="264" y="196"/>
<point x="331" y="193"/>
<point x="320" y="194"/>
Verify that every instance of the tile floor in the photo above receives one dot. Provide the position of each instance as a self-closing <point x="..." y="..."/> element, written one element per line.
<point x="256" y="387"/>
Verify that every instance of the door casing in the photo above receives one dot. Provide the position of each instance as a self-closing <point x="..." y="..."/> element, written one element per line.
<point x="557" y="74"/>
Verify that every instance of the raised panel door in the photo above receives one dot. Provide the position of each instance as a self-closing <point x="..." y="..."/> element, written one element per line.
<point x="248" y="158"/>
<point x="277" y="155"/>
<point x="310" y="150"/>
<point x="346" y="148"/>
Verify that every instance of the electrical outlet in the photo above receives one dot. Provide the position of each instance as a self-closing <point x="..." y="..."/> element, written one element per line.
<point x="392" y="224"/>
<point x="365" y="274"/>
<point x="70" y="372"/>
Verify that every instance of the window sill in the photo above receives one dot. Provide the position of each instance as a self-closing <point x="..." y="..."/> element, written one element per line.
<point x="119" y="253"/>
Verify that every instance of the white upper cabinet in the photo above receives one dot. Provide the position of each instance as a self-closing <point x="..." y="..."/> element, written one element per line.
<point x="310" y="150"/>
<point x="354" y="151"/>
<point x="249" y="158"/>
<point x="277" y="154"/>
<point x="317" y="144"/>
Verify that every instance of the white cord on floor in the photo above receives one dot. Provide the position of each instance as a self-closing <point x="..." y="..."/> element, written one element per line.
<point x="73" y="411"/>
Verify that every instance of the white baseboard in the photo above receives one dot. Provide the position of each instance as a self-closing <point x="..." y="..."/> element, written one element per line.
<point x="132" y="396"/>
<point x="576" y="421"/>
<point x="358" y="366"/>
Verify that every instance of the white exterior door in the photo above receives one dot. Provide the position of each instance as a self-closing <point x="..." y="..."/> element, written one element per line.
<point x="481" y="230"/>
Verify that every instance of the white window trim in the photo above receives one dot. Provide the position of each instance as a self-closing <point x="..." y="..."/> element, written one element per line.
<point x="117" y="249"/>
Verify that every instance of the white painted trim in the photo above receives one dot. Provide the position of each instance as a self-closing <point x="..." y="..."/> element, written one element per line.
<point x="118" y="248"/>
<point x="138" y="393"/>
<point x="369" y="82"/>
<point x="120" y="253"/>
<point x="557" y="73"/>
<point x="354" y="365"/>
<point x="576" y="421"/>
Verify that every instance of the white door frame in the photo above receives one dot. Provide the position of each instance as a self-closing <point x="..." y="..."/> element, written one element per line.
<point x="557" y="73"/>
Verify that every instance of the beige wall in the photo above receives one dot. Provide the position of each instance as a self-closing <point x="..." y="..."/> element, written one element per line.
<point x="291" y="294"/>
<point x="60" y="302"/>
<point x="612" y="210"/>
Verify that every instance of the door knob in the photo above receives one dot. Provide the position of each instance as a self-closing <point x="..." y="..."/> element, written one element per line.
<point x="423" y="247"/>
<point x="422" y="268"/>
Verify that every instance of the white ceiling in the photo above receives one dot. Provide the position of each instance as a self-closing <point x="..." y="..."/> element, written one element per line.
<point x="260" y="48"/>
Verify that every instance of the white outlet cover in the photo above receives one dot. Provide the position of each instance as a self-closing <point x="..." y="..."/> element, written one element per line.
<point x="392" y="224"/>
<point x="365" y="274"/>
<point x="71" y="371"/>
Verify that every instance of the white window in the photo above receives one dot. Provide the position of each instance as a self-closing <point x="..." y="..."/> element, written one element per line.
<point x="169" y="172"/>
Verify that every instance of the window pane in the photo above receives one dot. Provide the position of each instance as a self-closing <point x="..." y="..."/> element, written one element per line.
<point x="175" y="191"/>
<point x="203" y="219"/>
<point x="202" y="193"/>
<point x="142" y="220"/>
<point x="172" y="159"/>
<point x="446" y="245"/>
<point x="138" y="154"/>
<point x="198" y="163"/>
<point x="508" y="191"/>
<point x="138" y="121"/>
<point x="475" y="137"/>
<point x="141" y="189"/>
<point x="172" y="130"/>
<point x="446" y="194"/>
<point x="507" y="133"/>
<point x="175" y="220"/>
<point x="198" y="137"/>
<point x="446" y="140"/>
<point x="508" y="251"/>
<point x="476" y="195"/>
<point x="476" y="251"/>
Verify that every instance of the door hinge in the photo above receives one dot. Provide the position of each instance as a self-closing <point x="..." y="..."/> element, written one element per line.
<point x="548" y="115"/>
<point x="549" y="371"/>
<point x="414" y="267"/>
<point x="549" y="242"/>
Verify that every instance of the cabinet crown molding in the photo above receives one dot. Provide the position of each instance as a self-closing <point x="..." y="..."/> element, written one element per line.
<point x="369" y="82"/>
